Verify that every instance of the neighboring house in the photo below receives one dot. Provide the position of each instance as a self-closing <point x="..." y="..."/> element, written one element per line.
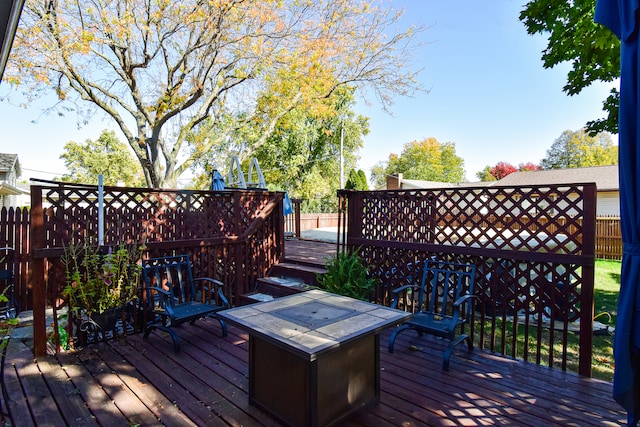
<point x="605" y="178"/>
<point x="397" y="182"/>
<point x="9" y="173"/>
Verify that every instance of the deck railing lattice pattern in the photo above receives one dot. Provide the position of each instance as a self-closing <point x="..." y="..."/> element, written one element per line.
<point x="534" y="248"/>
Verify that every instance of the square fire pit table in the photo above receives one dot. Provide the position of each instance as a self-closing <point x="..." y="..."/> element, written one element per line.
<point x="314" y="357"/>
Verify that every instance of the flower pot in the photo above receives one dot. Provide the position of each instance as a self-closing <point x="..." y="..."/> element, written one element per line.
<point x="94" y="328"/>
<point x="107" y="320"/>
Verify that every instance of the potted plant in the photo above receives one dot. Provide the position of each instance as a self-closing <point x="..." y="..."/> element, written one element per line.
<point x="100" y="283"/>
<point x="347" y="275"/>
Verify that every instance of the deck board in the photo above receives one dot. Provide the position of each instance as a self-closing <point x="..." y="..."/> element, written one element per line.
<point x="133" y="380"/>
<point x="74" y="411"/>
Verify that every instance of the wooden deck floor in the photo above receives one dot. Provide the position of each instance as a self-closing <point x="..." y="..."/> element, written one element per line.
<point x="309" y="251"/>
<point x="133" y="381"/>
<point x="143" y="382"/>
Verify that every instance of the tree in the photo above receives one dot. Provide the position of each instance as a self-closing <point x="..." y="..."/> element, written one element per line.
<point x="502" y="169"/>
<point x="302" y="155"/>
<point x="525" y="167"/>
<point x="364" y="183"/>
<point x="579" y="149"/>
<point x="379" y="174"/>
<point x="167" y="71"/>
<point x="357" y="181"/>
<point x="107" y="156"/>
<point x="485" y="174"/>
<point x="594" y="52"/>
<point x="427" y="160"/>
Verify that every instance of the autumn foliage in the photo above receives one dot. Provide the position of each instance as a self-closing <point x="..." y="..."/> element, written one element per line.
<point x="180" y="77"/>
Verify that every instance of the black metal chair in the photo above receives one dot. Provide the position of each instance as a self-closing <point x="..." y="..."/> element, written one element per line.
<point x="440" y="305"/>
<point x="8" y="307"/>
<point x="170" y="296"/>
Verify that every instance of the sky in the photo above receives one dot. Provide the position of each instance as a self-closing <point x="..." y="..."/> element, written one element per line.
<point x="486" y="91"/>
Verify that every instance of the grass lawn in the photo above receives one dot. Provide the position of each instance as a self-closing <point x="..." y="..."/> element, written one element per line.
<point x="607" y="287"/>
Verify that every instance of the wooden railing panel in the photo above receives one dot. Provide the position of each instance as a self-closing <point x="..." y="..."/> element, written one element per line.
<point x="534" y="248"/>
<point x="232" y="236"/>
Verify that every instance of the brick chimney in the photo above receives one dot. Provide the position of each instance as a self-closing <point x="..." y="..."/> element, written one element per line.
<point x="394" y="181"/>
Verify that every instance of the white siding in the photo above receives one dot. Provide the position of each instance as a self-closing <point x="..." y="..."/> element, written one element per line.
<point x="608" y="203"/>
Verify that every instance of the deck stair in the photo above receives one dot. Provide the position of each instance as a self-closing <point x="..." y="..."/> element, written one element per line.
<point x="285" y="278"/>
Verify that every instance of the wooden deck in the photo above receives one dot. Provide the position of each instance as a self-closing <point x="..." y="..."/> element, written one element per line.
<point x="143" y="382"/>
<point x="133" y="381"/>
<point x="309" y="251"/>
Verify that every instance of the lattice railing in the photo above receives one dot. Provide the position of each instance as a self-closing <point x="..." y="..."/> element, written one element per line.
<point x="533" y="248"/>
<point x="541" y="219"/>
<point x="233" y="236"/>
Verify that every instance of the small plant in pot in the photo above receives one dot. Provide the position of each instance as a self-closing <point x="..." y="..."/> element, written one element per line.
<point x="347" y="275"/>
<point x="100" y="283"/>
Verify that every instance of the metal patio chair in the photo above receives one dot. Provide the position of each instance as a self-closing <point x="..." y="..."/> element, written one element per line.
<point x="442" y="304"/>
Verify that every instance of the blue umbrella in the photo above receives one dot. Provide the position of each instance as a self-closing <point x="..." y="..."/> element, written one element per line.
<point x="620" y="17"/>
<point x="217" y="181"/>
<point x="286" y="205"/>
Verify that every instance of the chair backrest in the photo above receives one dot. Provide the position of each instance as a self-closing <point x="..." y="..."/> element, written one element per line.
<point x="172" y="273"/>
<point x="443" y="283"/>
<point x="7" y="259"/>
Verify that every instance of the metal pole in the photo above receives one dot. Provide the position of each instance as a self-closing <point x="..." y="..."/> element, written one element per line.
<point x="341" y="155"/>
<point x="100" y="210"/>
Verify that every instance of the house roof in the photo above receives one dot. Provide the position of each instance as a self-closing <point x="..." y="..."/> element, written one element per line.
<point x="605" y="177"/>
<point x="8" y="162"/>
<point x="10" y="190"/>
<point x="418" y="184"/>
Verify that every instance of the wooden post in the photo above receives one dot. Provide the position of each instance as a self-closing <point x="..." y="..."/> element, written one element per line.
<point x="588" y="278"/>
<point x="296" y="205"/>
<point x="240" y="249"/>
<point x="37" y="274"/>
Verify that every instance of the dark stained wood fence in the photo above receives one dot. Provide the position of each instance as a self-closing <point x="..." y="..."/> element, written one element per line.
<point x="292" y="223"/>
<point x="534" y="248"/>
<point x="15" y="223"/>
<point x="233" y="236"/>
<point x="14" y="233"/>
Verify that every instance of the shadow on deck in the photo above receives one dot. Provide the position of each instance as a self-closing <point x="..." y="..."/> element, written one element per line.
<point x="133" y="381"/>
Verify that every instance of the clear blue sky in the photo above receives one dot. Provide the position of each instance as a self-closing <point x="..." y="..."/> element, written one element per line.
<point x="487" y="93"/>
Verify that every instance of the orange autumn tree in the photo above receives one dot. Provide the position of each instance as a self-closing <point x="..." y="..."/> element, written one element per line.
<point x="171" y="74"/>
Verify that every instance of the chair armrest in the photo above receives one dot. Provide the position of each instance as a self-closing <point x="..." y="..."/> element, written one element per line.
<point x="163" y="292"/>
<point x="166" y="297"/>
<point x="463" y="299"/>
<point x="456" y="309"/>
<point x="215" y="286"/>
<point x="401" y="290"/>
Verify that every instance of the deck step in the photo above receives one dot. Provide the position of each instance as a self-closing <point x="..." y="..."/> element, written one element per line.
<point x="281" y="286"/>
<point x="268" y="288"/>
<point x="284" y="279"/>
<point x="303" y="272"/>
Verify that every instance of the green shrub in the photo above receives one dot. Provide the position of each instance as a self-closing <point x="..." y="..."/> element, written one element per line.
<point x="346" y="275"/>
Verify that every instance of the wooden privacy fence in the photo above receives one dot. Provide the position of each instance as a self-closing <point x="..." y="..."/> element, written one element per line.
<point x="297" y="222"/>
<point x="608" y="238"/>
<point x="233" y="236"/>
<point x="527" y="278"/>
<point x="14" y="232"/>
